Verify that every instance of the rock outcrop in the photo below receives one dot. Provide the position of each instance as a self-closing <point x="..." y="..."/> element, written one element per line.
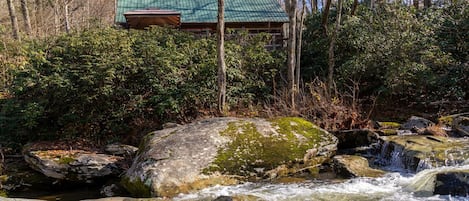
<point x="225" y="151"/>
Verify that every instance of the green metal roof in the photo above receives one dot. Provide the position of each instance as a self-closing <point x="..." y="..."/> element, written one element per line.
<point x="206" y="11"/>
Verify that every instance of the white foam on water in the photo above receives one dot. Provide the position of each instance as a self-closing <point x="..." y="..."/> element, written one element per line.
<point x="391" y="187"/>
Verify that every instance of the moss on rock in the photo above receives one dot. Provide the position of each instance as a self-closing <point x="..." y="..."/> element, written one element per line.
<point x="136" y="187"/>
<point x="389" y="125"/>
<point x="253" y="150"/>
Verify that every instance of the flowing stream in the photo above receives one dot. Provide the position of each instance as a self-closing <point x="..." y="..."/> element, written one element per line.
<point x="397" y="185"/>
<point x="391" y="187"/>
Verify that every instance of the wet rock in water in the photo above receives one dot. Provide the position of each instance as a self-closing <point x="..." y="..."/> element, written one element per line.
<point x="417" y="152"/>
<point x="415" y="123"/>
<point x="120" y="149"/>
<point x="441" y="181"/>
<point x="223" y="198"/>
<point x="73" y="165"/>
<point x="126" y="199"/>
<point x="387" y="132"/>
<point x="452" y="183"/>
<point x="457" y="123"/>
<point x="348" y="166"/>
<point x="225" y="151"/>
<point x="355" y="138"/>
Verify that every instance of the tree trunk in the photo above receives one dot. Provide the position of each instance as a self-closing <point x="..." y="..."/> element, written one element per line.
<point x="354" y="7"/>
<point x="67" y="16"/>
<point x="27" y="20"/>
<point x="427" y="3"/>
<point x="38" y="18"/>
<point x="221" y="57"/>
<point x="416" y="4"/>
<point x="56" y="17"/>
<point x="314" y="6"/>
<point x="299" y="46"/>
<point x="325" y="16"/>
<point x="14" y="20"/>
<point x="291" y="46"/>
<point x="330" y="77"/>
<point x="372" y="4"/>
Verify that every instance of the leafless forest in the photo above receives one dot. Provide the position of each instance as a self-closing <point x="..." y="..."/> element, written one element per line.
<point x="42" y="18"/>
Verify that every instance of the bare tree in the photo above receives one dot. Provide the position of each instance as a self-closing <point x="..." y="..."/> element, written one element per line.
<point x="27" y="20"/>
<point x="330" y="76"/>
<point x="427" y="3"/>
<point x="67" y="15"/>
<point x="354" y="7"/>
<point x="314" y="6"/>
<point x="14" y="20"/>
<point x="325" y="16"/>
<point x="416" y="4"/>
<point x="221" y="57"/>
<point x="291" y="46"/>
<point x="301" y="21"/>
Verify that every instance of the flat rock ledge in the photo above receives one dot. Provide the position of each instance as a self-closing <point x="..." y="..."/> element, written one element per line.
<point x="73" y="165"/>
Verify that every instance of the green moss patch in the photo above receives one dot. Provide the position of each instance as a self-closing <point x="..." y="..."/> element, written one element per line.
<point x="136" y="188"/>
<point x="253" y="152"/>
<point x="389" y="125"/>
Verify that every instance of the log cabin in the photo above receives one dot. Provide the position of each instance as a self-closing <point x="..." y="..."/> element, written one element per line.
<point x="200" y="16"/>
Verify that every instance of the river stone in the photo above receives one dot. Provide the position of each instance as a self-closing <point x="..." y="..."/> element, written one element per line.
<point x="348" y="166"/>
<point x="72" y="165"/>
<point x="225" y="151"/>
<point x="417" y="152"/>
<point x="458" y="123"/>
<point x="441" y="181"/>
<point x="416" y="123"/>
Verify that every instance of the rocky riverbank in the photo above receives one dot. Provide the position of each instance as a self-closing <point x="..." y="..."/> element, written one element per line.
<point x="230" y="151"/>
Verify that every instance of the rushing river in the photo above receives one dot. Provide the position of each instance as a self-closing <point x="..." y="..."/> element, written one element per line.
<point x="396" y="186"/>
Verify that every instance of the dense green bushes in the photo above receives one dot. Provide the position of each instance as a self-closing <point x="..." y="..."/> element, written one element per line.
<point x="105" y="84"/>
<point x="396" y="51"/>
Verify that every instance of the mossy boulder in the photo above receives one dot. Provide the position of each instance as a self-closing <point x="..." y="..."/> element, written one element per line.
<point x="417" y="152"/>
<point x="225" y="151"/>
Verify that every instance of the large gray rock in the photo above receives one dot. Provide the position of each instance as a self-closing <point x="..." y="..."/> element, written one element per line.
<point x="225" y="151"/>
<point x="72" y="165"/>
